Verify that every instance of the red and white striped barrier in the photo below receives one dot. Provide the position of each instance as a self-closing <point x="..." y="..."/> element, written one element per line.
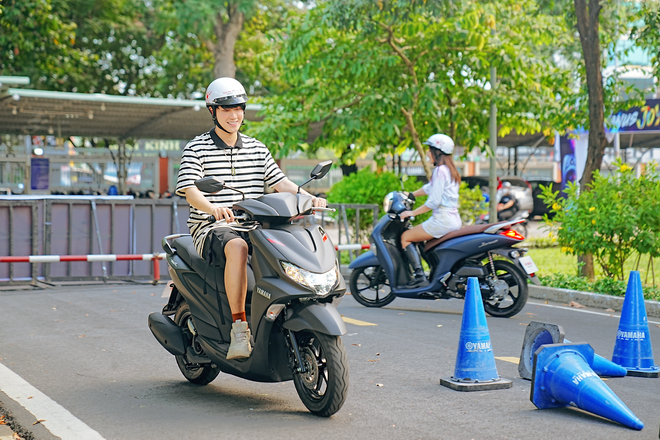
<point x="352" y="247"/>
<point x="89" y="258"/>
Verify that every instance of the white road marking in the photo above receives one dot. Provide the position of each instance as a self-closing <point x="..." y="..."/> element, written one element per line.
<point x="59" y="421"/>
<point x="583" y="311"/>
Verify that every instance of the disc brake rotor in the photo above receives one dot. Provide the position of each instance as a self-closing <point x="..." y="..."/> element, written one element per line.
<point x="310" y="377"/>
<point x="500" y="289"/>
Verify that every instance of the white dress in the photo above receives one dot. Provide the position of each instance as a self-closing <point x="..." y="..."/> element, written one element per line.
<point x="443" y="200"/>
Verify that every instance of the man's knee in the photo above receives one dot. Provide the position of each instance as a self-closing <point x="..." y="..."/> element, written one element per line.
<point x="236" y="249"/>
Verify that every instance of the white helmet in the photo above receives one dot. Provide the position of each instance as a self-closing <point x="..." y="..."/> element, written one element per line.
<point x="441" y="142"/>
<point x="225" y="91"/>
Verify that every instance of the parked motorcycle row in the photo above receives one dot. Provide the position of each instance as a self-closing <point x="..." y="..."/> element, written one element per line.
<point x="295" y="286"/>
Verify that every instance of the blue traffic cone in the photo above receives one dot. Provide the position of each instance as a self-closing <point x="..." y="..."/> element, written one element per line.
<point x="603" y="367"/>
<point x="562" y="377"/>
<point x="632" y="349"/>
<point x="541" y="333"/>
<point x="475" y="368"/>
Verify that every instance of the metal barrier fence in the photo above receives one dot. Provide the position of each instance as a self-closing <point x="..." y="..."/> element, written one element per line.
<point x="90" y="225"/>
<point x="61" y="225"/>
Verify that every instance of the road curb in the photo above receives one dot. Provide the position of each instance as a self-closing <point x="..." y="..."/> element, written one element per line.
<point x="597" y="300"/>
<point x="588" y="299"/>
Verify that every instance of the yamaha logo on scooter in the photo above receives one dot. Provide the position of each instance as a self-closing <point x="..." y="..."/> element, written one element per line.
<point x="263" y="293"/>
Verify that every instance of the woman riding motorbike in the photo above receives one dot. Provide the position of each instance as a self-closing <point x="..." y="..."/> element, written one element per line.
<point x="442" y="192"/>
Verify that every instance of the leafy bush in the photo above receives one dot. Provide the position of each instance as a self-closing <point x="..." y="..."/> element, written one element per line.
<point x="366" y="187"/>
<point x="615" y="218"/>
<point x="471" y="203"/>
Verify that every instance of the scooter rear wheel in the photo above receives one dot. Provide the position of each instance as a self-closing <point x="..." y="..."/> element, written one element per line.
<point x="516" y="293"/>
<point x="200" y="374"/>
<point x="369" y="286"/>
<point x="324" y="384"/>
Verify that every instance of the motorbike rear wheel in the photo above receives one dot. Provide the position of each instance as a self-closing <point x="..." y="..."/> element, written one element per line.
<point x="515" y="297"/>
<point x="370" y="287"/>
<point x="324" y="385"/>
<point x="200" y="374"/>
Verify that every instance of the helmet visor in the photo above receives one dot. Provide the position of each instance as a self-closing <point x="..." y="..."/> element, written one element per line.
<point x="232" y="101"/>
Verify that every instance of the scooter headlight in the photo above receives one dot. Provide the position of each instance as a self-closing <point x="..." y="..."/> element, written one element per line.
<point x="319" y="283"/>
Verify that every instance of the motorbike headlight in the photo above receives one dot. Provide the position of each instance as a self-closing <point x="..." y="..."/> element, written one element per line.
<point x="319" y="283"/>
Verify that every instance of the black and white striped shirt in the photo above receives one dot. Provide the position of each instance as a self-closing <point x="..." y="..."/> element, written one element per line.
<point x="246" y="167"/>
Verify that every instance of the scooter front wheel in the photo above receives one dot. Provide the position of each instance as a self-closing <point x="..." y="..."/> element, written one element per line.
<point x="200" y="374"/>
<point x="369" y="286"/>
<point x="324" y="384"/>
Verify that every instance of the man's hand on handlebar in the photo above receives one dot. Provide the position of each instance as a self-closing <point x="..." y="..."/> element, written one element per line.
<point x="223" y="213"/>
<point x="319" y="202"/>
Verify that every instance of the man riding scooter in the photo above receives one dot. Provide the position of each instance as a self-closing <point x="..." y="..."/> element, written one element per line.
<point x="243" y="163"/>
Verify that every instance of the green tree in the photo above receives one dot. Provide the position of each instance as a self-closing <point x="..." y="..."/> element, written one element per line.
<point x="388" y="74"/>
<point x="646" y="31"/>
<point x="599" y="26"/>
<point x="34" y="40"/>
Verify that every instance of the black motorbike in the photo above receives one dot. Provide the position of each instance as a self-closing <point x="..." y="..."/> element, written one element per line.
<point x="294" y="287"/>
<point x="487" y="252"/>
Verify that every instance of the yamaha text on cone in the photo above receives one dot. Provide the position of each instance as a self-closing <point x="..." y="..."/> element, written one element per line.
<point x="632" y="349"/>
<point x="541" y="333"/>
<point x="475" y="361"/>
<point x="562" y="377"/>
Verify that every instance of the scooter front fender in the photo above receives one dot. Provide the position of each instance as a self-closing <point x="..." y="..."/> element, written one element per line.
<point x="323" y="318"/>
<point x="368" y="259"/>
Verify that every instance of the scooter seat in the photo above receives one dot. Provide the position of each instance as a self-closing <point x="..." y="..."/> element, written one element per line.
<point x="185" y="248"/>
<point x="468" y="230"/>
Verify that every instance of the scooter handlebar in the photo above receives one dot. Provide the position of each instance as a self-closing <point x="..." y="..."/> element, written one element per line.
<point x="212" y="219"/>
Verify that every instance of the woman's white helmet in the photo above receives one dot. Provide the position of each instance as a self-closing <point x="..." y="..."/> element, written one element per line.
<point x="225" y="91"/>
<point x="441" y="142"/>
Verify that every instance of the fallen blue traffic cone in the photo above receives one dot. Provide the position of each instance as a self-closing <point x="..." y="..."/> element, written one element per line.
<point x="632" y="349"/>
<point x="475" y="368"/>
<point x="537" y="334"/>
<point x="562" y="377"/>
<point x="541" y="333"/>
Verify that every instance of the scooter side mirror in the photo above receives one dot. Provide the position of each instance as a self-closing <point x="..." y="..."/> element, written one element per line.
<point x="321" y="170"/>
<point x="210" y="184"/>
<point x="318" y="172"/>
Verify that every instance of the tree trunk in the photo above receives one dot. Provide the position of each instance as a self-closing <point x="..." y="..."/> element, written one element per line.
<point x="121" y="167"/>
<point x="226" y="33"/>
<point x="416" y="142"/>
<point x="587" y="24"/>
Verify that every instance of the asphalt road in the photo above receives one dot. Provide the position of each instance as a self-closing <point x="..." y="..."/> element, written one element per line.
<point x="89" y="349"/>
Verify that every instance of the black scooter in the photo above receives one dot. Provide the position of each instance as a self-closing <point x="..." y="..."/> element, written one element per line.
<point x="294" y="287"/>
<point x="381" y="274"/>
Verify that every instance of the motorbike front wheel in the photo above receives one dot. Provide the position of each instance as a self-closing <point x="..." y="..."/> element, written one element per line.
<point x="369" y="286"/>
<point x="509" y="290"/>
<point x="200" y="374"/>
<point x="324" y="384"/>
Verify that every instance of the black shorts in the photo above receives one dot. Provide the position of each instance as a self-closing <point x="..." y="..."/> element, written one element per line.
<point x="215" y="242"/>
